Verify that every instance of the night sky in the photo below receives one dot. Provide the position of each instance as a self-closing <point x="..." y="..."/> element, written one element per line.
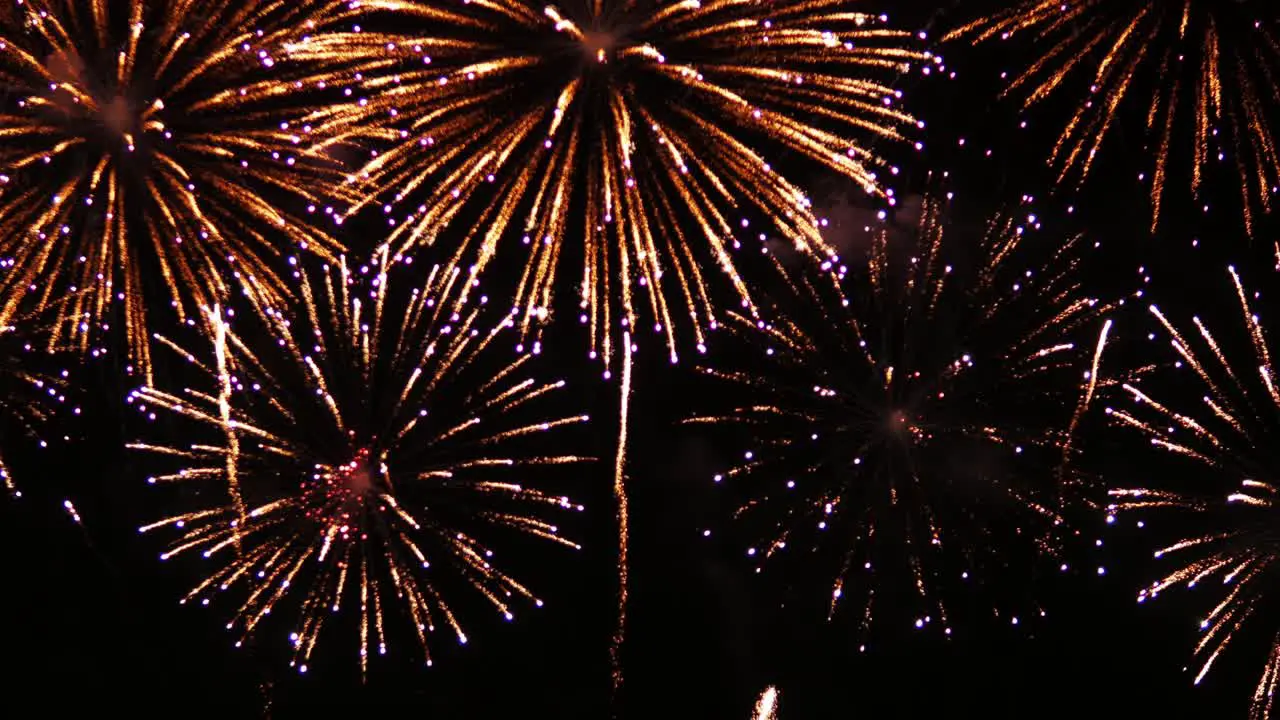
<point x="91" y="622"/>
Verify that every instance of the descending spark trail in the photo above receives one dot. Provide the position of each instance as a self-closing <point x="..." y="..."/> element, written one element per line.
<point x="28" y="397"/>
<point x="624" y="525"/>
<point x="1190" y="68"/>
<point x="153" y="154"/>
<point x="912" y="413"/>
<point x="1228" y="511"/>
<point x="636" y="140"/>
<point x="220" y="328"/>
<point x="348" y="452"/>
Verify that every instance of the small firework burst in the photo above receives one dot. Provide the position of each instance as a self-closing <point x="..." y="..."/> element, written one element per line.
<point x="633" y="139"/>
<point x="158" y="139"/>
<point x="1201" y="73"/>
<point x="913" y="411"/>
<point x="353" y="454"/>
<point x="1228" y="514"/>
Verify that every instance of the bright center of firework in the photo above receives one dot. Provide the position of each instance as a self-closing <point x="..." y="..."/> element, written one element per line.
<point x="359" y="478"/>
<point x="599" y="46"/>
<point x="337" y="494"/>
<point x="902" y="427"/>
<point x="602" y="35"/>
<point x="117" y="116"/>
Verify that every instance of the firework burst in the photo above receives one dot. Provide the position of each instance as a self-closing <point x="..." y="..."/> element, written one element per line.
<point x="152" y="139"/>
<point x="623" y="136"/>
<point x="1202" y="74"/>
<point x="1227" y="531"/>
<point x="902" y="432"/>
<point x="352" y="459"/>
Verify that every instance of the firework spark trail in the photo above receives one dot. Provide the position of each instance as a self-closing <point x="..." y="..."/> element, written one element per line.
<point x="898" y="428"/>
<point x="511" y="121"/>
<point x="1086" y="397"/>
<point x="367" y="450"/>
<point x="1227" y="513"/>
<point x="624" y="525"/>
<point x="219" y="326"/>
<point x="767" y="705"/>
<point x="1207" y="62"/>
<point x="160" y="139"/>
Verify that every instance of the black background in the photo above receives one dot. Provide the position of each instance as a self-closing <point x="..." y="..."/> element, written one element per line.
<point x="91" y="623"/>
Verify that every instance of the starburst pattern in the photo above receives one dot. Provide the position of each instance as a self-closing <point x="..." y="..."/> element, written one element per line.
<point x="1226" y="510"/>
<point x="159" y="139"/>
<point x="906" y="433"/>
<point x="1201" y="73"/>
<point x="627" y="137"/>
<point x="353" y="454"/>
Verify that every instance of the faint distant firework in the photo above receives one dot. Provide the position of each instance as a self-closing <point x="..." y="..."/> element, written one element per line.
<point x="1201" y="74"/>
<point x="1222" y="511"/>
<point x="152" y="154"/>
<point x="355" y="453"/>
<point x="911" y="415"/>
<point x="29" y="392"/>
<point x="29" y="396"/>
<point x="636" y="141"/>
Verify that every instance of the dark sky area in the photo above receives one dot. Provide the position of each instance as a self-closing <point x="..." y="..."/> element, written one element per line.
<point x="91" y="622"/>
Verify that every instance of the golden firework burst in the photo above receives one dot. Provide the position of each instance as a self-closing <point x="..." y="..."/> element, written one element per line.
<point x="153" y="152"/>
<point x="645" y="142"/>
<point x="352" y="452"/>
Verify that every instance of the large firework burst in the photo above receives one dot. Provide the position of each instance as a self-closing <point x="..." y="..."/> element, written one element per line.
<point x="353" y="459"/>
<point x="1202" y="73"/>
<point x="903" y="432"/>
<point x="623" y="136"/>
<point x="158" y="139"/>
<point x="1227" y="528"/>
